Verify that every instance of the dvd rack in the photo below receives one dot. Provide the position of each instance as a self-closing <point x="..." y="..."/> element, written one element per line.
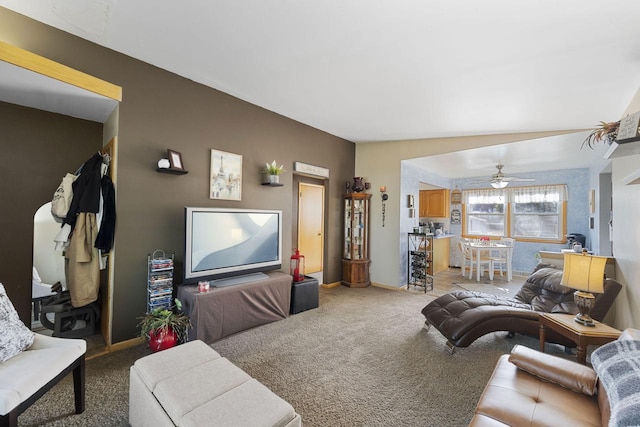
<point x="159" y="280"/>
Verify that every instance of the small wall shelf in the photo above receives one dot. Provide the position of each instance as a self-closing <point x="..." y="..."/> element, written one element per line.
<point x="632" y="179"/>
<point x="622" y="149"/>
<point x="172" y="171"/>
<point x="273" y="184"/>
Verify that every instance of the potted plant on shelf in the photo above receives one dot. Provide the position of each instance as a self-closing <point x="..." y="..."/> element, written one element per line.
<point x="274" y="171"/>
<point x="165" y="327"/>
<point x="605" y="132"/>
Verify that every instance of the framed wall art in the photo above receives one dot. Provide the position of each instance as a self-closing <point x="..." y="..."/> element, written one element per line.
<point x="226" y="176"/>
<point x="175" y="160"/>
<point x="456" y="216"/>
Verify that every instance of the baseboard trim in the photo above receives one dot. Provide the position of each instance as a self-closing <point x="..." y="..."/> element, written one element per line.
<point x="392" y="288"/>
<point x="330" y="285"/>
<point x="122" y="345"/>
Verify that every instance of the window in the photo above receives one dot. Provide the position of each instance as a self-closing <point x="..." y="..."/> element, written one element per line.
<point x="526" y="213"/>
<point x="538" y="212"/>
<point x="485" y="212"/>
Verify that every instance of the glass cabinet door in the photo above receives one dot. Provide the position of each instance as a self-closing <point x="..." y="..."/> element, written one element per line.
<point x="356" y="236"/>
<point x="355" y="260"/>
<point x="347" y="228"/>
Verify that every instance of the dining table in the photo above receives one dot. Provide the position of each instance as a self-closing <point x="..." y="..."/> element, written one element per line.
<point x="506" y="252"/>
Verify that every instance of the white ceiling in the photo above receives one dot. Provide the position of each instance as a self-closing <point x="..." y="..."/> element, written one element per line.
<point x="380" y="70"/>
<point x="539" y="155"/>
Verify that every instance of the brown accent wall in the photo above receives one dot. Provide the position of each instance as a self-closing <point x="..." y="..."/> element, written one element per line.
<point x="37" y="149"/>
<point x="161" y="110"/>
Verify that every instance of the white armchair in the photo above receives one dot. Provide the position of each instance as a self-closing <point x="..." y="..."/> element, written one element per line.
<point x="29" y="374"/>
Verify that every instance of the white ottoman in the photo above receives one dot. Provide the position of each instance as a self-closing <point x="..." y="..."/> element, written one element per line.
<point x="192" y="385"/>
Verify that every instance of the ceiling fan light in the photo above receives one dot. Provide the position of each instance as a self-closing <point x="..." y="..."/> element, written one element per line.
<point x="499" y="184"/>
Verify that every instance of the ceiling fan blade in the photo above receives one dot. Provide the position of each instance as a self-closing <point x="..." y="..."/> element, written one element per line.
<point x="500" y="177"/>
<point x="515" y="178"/>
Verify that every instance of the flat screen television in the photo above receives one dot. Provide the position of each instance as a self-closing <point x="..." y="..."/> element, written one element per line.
<point x="230" y="242"/>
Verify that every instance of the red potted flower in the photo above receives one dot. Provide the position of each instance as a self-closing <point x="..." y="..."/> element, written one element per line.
<point x="164" y="328"/>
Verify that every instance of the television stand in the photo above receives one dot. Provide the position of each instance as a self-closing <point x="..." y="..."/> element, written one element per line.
<point x="223" y="311"/>
<point x="237" y="280"/>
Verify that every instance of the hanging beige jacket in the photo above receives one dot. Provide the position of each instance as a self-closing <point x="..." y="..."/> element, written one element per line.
<point x="82" y="261"/>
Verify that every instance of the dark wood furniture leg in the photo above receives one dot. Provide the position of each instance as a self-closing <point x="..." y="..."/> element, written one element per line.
<point x="78" y="386"/>
<point x="582" y="351"/>
<point x="542" y="337"/>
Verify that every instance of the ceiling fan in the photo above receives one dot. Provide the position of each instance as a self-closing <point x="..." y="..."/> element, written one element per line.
<point x="500" y="180"/>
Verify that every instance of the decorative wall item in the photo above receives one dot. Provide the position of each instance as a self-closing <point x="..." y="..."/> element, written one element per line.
<point x="456" y="196"/>
<point x="175" y="159"/>
<point x="385" y="197"/>
<point x="226" y="176"/>
<point x="358" y="184"/>
<point x="629" y="129"/>
<point x="272" y="173"/>
<point x="410" y="205"/>
<point x="456" y="216"/>
<point x="310" y="170"/>
<point x="592" y="201"/>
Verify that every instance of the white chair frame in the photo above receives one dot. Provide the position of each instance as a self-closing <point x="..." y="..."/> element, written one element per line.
<point x="468" y="256"/>
<point x="499" y="261"/>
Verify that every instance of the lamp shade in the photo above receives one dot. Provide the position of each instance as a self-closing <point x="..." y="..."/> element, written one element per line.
<point x="584" y="272"/>
<point x="499" y="184"/>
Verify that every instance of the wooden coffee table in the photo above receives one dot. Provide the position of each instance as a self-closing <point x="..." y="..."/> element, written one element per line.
<point x="583" y="336"/>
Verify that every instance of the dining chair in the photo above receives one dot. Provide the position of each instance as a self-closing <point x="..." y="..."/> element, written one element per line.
<point x="466" y="258"/>
<point x="468" y="255"/>
<point x="499" y="258"/>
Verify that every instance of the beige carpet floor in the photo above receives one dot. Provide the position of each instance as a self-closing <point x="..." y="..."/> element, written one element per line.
<point x="362" y="358"/>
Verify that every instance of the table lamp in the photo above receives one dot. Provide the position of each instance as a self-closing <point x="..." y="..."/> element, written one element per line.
<point x="585" y="273"/>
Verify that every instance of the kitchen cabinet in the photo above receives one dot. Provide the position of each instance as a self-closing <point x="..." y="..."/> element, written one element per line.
<point x="422" y="204"/>
<point x="434" y="203"/>
<point x="441" y="254"/>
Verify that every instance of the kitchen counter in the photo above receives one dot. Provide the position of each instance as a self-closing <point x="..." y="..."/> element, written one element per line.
<point x="443" y="236"/>
<point x="441" y="252"/>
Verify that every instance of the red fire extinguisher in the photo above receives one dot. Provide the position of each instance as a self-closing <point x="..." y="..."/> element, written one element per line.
<point x="297" y="266"/>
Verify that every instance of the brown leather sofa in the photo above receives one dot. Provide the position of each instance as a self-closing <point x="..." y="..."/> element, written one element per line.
<point x="464" y="316"/>
<point x="529" y="388"/>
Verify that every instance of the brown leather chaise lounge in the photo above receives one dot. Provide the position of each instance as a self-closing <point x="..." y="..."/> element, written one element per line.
<point x="464" y="316"/>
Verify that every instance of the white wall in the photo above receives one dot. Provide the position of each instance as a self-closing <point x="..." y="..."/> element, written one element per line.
<point x="626" y="234"/>
<point x="626" y="241"/>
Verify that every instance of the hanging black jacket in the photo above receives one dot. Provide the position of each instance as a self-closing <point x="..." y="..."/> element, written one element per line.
<point x="104" y="241"/>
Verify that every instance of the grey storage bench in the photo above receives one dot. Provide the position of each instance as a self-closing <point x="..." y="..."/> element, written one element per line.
<point x="192" y="385"/>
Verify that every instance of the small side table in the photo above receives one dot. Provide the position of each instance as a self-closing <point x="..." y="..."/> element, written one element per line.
<point x="583" y="336"/>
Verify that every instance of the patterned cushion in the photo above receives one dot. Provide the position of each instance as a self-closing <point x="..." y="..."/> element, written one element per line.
<point x="14" y="335"/>
<point x="618" y="367"/>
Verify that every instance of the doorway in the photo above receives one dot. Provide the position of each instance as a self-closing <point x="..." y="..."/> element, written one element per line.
<point x="311" y="227"/>
<point x="604" y="216"/>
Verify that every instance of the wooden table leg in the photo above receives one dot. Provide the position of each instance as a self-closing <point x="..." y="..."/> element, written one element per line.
<point x="582" y="354"/>
<point x="542" y="337"/>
